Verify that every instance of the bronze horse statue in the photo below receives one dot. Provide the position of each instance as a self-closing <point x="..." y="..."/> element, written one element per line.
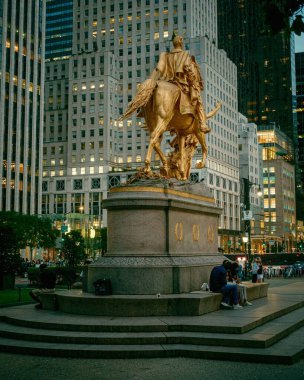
<point x="159" y="104"/>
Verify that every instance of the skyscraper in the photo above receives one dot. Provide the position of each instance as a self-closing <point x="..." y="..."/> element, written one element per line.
<point x="266" y="67"/>
<point x="279" y="188"/>
<point x="21" y="103"/>
<point x="300" y="113"/>
<point x="59" y="29"/>
<point x="116" y="45"/>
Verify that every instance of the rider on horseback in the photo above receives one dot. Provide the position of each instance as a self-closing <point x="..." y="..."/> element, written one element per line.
<point x="180" y="68"/>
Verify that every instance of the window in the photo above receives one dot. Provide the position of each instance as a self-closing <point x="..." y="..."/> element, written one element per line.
<point x="60" y="185"/>
<point x="210" y="179"/>
<point x="77" y="184"/>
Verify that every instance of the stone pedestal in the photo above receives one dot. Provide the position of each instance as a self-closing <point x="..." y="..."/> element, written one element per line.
<point x="160" y="239"/>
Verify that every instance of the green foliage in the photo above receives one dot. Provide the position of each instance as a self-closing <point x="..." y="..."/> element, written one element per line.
<point x="27" y="231"/>
<point x="38" y="232"/>
<point x="73" y="249"/>
<point x="9" y="253"/>
<point x="33" y="275"/>
<point x="11" y="297"/>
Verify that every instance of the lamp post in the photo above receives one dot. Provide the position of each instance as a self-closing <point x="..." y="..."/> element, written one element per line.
<point x="245" y="241"/>
<point x="247" y="213"/>
<point x="92" y="237"/>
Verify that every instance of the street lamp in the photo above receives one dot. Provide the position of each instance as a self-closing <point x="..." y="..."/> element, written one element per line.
<point x="247" y="213"/>
<point x="245" y="241"/>
<point x="92" y="236"/>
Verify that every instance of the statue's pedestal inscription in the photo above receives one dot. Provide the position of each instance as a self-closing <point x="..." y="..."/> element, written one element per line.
<point x="161" y="239"/>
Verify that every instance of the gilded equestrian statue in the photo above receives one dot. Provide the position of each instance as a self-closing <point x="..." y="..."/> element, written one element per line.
<point x="170" y="100"/>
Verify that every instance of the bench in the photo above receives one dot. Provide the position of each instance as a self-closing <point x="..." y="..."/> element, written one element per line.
<point x="256" y="290"/>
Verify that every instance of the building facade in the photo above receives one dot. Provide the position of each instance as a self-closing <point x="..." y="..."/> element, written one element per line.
<point x="21" y="104"/>
<point x="266" y="64"/>
<point x="300" y="115"/>
<point x="116" y="45"/>
<point x="279" y="189"/>
<point x="251" y="181"/>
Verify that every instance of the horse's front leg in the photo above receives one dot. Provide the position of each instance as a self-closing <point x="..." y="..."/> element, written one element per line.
<point x="202" y="140"/>
<point x="162" y="157"/>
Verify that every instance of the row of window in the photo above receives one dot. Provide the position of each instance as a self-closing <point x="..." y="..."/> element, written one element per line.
<point x="226" y="184"/>
<point x="77" y="184"/>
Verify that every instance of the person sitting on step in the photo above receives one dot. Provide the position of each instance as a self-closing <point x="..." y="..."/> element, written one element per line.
<point x="218" y="284"/>
<point x="234" y="279"/>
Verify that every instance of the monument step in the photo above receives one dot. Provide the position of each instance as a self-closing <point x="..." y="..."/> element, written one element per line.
<point x="221" y="321"/>
<point x="274" y="354"/>
<point x="262" y="336"/>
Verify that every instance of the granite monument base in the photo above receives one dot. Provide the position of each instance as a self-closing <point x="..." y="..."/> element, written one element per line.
<point x="161" y="239"/>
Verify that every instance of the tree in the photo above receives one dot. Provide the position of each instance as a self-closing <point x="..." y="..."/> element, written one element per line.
<point x="29" y="230"/>
<point x="279" y="12"/>
<point x="73" y="248"/>
<point x="38" y="232"/>
<point x="9" y="250"/>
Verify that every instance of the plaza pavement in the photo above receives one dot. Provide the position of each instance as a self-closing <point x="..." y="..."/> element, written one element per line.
<point x="14" y="366"/>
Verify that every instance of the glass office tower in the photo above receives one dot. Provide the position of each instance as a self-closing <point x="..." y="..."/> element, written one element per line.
<point x="21" y="103"/>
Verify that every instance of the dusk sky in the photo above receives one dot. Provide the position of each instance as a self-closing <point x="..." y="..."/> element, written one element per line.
<point x="299" y="43"/>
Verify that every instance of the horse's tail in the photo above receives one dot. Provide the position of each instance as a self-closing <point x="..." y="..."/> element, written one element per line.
<point x="144" y="93"/>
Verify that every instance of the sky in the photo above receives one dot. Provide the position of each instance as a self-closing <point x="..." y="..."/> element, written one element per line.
<point x="299" y="41"/>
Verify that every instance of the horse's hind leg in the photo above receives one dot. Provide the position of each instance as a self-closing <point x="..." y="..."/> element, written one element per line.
<point x="181" y="144"/>
<point x="202" y="140"/>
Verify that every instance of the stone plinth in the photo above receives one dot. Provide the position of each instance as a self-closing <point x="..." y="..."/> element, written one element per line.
<point x="160" y="239"/>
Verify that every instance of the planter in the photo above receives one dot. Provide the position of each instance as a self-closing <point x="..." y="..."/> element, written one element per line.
<point x="7" y="281"/>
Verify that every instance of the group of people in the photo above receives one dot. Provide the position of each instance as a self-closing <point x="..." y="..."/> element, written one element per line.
<point x="225" y="279"/>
